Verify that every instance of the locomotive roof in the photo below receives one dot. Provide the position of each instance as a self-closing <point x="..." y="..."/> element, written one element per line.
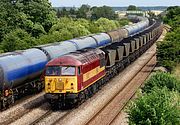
<point x="76" y="58"/>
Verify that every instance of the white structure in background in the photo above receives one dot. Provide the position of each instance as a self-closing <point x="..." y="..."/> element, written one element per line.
<point x="121" y="14"/>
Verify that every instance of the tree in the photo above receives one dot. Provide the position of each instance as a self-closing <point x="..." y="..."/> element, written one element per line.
<point x="58" y="13"/>
<point x="64" y="12"/>
<point x="105" y="25"/>
<point x="17" y="39"/>
<point x="132" y="8"/>
<point x="82" y="11"/>
<point x="72" y="11"/>
<point x="38" y="11"/>
<point x="34" y="16"/>
<point x="104" y="12"/>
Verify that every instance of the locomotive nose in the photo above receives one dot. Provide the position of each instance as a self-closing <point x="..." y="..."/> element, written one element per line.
<point x="60" y="84"/>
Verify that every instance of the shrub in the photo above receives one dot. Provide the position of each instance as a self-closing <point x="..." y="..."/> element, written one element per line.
<point x="161" y="80"/>
<point x="160" y="107"/>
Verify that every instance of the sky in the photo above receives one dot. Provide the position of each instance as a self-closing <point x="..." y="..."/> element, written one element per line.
<point x="116" y="3"/>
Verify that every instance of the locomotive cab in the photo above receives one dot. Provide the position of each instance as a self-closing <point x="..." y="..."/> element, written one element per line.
<point x="61" y="79"/>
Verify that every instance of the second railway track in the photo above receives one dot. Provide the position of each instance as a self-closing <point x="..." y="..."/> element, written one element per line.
<point x="110" y="111"/>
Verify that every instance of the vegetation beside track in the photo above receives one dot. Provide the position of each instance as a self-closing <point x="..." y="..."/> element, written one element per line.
<point x="169" y="50"/>
<point x="159" y="102"/>
<point x="25" y="24"/>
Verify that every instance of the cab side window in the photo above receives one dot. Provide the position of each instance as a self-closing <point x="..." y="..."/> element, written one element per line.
<point x="79" y="70"/>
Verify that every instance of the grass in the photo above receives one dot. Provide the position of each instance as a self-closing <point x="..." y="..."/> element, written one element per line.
<point x="176" y="71"/>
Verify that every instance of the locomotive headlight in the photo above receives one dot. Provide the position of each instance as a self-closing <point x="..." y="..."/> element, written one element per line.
<point x="72" y="87"/>
<point x="59" y="80"/>
<point x="48" y="85"/>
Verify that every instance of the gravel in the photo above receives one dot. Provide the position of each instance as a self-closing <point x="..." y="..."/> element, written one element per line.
<point x="19" y="110"/>
<point x="51" y="119"/>
<point x="31" y="116"/>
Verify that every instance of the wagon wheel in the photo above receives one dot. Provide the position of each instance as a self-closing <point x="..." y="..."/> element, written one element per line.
<point x="81" y="97"/>
<point x="1" y="106"/>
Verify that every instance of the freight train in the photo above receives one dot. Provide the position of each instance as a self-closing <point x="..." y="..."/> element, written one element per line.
<point x="20" y="71"/>
<point x="74" y="77"/>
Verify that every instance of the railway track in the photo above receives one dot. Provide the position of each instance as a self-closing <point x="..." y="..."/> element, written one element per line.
<point x="139" y="78"/>
<point x="17" y="111"/>
<point x="41" y="118"/>
<point x="108" y="114"/>
<point x="50" y="117"/>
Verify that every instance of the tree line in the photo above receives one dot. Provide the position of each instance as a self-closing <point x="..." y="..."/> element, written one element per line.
<point x="88" y="12"/>
<point x="25" y="24"/>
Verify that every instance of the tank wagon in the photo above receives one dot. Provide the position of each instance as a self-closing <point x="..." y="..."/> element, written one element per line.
<point x="20" y="71"/>
<point x="74" y="77"/>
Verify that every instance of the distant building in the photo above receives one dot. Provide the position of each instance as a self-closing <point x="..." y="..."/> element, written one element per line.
<point x="156" y="12"/>
<point x="121" y="14"/>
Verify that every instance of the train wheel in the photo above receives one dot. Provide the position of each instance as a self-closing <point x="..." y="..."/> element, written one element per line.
<point x="54" y="106"/>
<point x="90" y="93"/>
<point x="81" y="97"/>
<point x="86" y="94"/>
<point x="39" y="87"/>
<point x="94" y="88"/>
<point x="1" y="106"/>
<point x="4" y="104"/>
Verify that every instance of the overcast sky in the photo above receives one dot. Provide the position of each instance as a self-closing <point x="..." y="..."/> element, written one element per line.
<point x="117" y="3"/>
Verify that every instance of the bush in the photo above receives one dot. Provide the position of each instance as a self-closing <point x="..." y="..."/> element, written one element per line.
<point x="161" y="80"/>
<point x="159" y="107"/>
<point x="169" y="50"/>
